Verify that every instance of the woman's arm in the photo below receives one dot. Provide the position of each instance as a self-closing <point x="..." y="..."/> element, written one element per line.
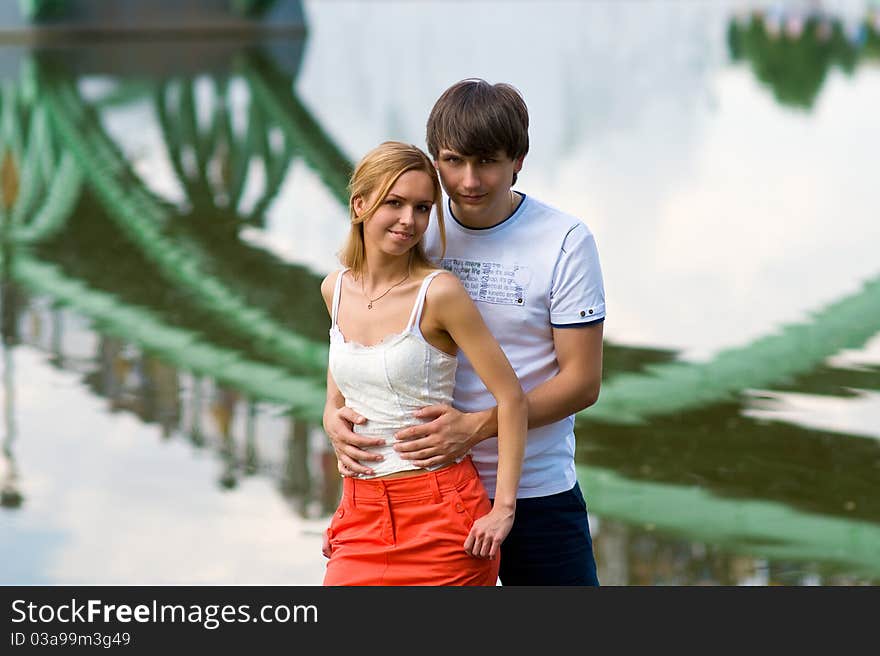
<point x="339" y="420"/>
<point x="450" y="308"/>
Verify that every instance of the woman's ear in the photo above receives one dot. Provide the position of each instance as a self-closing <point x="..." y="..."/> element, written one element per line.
<point x="358" y="204"/>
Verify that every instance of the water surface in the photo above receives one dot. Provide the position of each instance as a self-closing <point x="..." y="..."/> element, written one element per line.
<point x="165" y="232"/>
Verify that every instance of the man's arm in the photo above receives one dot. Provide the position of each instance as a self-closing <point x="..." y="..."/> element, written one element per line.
<point x="451" y="433"/>
<point x="576" y="386"/>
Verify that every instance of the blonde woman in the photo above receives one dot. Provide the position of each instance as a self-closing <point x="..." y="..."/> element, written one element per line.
<point x="397" y="323"/>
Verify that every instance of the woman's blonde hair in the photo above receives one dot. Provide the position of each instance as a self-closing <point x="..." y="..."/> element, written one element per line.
<point x="377" y="173"/>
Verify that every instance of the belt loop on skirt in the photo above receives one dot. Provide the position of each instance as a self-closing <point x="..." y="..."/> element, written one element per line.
<point x="352" y="486"/>
<point x="434" y="486"/>
<point x="389" y="530"/>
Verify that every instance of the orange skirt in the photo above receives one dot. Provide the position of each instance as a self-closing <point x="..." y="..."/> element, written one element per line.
<point x="410" y="530"/>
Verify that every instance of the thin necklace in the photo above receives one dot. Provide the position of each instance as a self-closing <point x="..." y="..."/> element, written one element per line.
<point x="373" y="300"/>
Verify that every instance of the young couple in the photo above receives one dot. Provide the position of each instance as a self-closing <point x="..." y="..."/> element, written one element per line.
<point x="450" y="469"/>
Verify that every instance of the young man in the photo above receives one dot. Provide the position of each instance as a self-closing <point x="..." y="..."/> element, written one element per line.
<point x="534" y="273"/>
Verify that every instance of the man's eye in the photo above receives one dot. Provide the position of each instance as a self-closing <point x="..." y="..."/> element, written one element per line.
<point x="487" y="160"/>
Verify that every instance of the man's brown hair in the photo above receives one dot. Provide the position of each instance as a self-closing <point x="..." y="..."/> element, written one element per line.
<point x="473" y="117"/>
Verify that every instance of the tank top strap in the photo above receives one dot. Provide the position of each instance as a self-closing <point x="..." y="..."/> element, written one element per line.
<point x="337" y="294"/>
<point x="416" y="317"/>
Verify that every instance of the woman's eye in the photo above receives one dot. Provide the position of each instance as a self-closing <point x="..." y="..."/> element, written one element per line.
<point x="393" y="202"/>
<point x="424" y="208"/>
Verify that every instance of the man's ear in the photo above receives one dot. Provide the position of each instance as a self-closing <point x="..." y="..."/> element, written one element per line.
<point x="518" y="164"/>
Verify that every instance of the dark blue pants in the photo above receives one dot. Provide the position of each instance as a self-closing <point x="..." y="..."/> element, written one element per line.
<point x="550" y="542"/>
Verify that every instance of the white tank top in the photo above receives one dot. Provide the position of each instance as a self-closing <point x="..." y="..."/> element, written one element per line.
<point x="388" y="381"/>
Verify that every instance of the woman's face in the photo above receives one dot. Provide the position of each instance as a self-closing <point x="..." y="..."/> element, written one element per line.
<point x="402" y="217"/>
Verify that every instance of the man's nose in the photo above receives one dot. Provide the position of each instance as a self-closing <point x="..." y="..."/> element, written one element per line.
<point x="471" y="180"/>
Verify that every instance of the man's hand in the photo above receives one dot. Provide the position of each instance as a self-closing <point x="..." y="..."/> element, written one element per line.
<point x="348" y="445"/>
<point x="447" y="435"/>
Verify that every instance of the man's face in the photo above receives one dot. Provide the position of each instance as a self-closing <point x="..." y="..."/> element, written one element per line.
<point x="479" y="186"/>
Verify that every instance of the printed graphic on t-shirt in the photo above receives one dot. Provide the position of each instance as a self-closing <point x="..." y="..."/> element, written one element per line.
<point x="491" y="282"/>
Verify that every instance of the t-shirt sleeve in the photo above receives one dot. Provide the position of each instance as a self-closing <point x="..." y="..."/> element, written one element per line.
<point x="577" y="297"/>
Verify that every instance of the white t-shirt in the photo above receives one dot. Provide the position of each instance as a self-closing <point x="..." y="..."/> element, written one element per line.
<point x="536" y="270"/>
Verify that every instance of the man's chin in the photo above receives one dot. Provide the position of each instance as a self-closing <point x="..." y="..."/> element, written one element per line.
<point x="471" y="201"/>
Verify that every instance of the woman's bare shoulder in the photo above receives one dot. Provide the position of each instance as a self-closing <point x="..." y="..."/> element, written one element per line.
<point x="445" y="287"/>
<point x="328" y="284"/>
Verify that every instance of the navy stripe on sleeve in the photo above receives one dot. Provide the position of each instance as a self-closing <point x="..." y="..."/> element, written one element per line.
<point x="577" y="325"/>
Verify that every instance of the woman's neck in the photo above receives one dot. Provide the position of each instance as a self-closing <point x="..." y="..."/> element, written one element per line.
<point x="382" y="270"/>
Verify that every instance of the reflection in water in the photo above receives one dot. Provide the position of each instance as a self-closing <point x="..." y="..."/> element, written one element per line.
<point x="10" y="302"/>
<point x="10" y="491"/>
<point x="215" y="163"/>
<point x="792" y="50"/>
<point x="142" y="219"/>
<point x="797" y="349"/>
<point x="752" y="527"/>
<point x="722" y="450"/>
<point x="209" y="414"/>
<point x="137" y="383"/>
<point x="172" y="318"/>
<point x="645" y="556"/>
<point x="222" y="411"/>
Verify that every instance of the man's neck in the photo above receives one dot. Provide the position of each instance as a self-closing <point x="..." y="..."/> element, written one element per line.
<point x="489" y="217"/>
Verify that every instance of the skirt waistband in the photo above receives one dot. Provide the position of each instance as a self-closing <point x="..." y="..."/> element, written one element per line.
<point x="418" y="487"/>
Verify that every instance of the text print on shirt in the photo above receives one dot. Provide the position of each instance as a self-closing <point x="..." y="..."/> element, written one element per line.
<point x="491" y="282"/>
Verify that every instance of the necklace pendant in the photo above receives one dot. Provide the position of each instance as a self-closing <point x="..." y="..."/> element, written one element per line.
<point x="370" y="305"/>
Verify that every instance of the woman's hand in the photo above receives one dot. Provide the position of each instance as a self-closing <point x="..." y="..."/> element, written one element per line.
<point x="326" y="547"/>
<point x="488" y="532"/>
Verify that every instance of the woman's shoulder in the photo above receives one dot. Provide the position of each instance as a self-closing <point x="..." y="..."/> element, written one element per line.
<point x="444" y="286"/>
<point x="447" y="302"/>
<point x="328" y="284"/>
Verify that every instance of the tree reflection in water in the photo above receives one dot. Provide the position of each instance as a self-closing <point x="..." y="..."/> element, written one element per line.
<point x="792" y="51"/>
